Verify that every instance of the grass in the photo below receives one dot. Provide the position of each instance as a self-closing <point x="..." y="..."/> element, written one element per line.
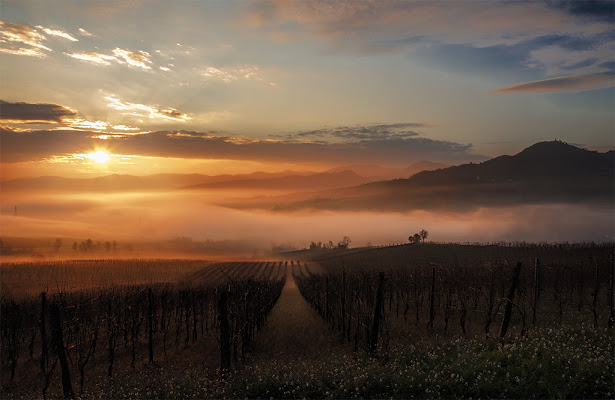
<point x="568" y="363"/>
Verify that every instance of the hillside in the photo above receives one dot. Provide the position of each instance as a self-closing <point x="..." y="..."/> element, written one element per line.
<point x="325" y="180"/>
<point x="547" y="172"/>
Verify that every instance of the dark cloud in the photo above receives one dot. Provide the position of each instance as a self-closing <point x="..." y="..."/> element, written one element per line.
<point x="35" y="145"/>
<point x="581" y="64"/>
<point x="608" y="65"/>
<point x="26" y="112"/>
<point x="511" y="60"/>
<point x="362" y="133"/>
<point x="601" y="10"/>
<point x="502" y="61"/>
<point x="172" y="113"/>
<point x="563" y="84"/>
<point x="25" y="146"/>
<point x="567" y="42"/>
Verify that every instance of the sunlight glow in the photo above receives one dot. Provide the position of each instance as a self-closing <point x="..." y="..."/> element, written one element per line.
<point x="99" y="156"/>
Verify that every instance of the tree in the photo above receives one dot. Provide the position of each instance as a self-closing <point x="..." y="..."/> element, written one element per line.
<point x="414" y="238"/>
<point x="75" y="246"/>
<point x="57" y="244"/>
<point x="344" y="243"/>
<point x="423" y="234"/>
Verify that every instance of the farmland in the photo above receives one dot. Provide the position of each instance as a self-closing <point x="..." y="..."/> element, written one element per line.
<point x="422" y="320"/>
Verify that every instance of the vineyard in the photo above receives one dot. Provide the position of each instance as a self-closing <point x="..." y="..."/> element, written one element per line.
<point x="374" y="296"/>
<point x="420" y="320"/>
<point x="58" y="337"/>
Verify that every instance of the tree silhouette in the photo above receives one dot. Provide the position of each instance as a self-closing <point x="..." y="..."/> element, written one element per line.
<point x="344" y="243"/>
<point x="57" y="244"/>
<point x="414" y="238"/>
<point x="423" y="234"/>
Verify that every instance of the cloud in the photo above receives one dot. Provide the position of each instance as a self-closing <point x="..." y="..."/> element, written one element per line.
<point x="360" y="133"/>
<point x="83" y="32"/>
<point x="228" y="75"/>
<point x="20" y="146"/>
<point x="581" y="64"/>
<point x="23" y="146"/>
<point x="483" y="36"/>
<point x="21" y="40"/>
<point x="34" y="113"/>
<point x="601" y="10"/>
<point x="564" y="84"/>
<point x="83" y="124"/>
<point x="530" y="59"/>
<point x="93" y="57"/>
<point x="458" y="22"/>
<point x="65" y="117"/>
<point x="608" y="65"/>
<point x="142" y="110"/>
<point x="58" y="33"/>
<point x="23" y="51"/>
<point x="135" y="58"/>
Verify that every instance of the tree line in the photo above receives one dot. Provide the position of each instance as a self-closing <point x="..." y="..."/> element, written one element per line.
<point x="342" y="244"/>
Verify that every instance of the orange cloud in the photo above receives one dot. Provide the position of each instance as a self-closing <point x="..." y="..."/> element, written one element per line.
<point x="58" y="33"/>
<point x="135" y="58"/>
<point x="142" y="110"/>
<point x="96" y="58"/>
<point x="564" y="84"/>
<point x="21" y="40"/>
<point x="384" y="149"/>
<point x="228" y="75"/>
<point x="83" y="32"/>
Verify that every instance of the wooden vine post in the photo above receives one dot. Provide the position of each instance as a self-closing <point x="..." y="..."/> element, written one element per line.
<point x="58" y="343"/>
<point x="373" y="340"/>
<point x="509" y="300"/>
<point x="225" y="337"/>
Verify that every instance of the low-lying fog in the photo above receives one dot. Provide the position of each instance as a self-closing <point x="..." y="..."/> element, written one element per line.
<point x="166" y="215"/>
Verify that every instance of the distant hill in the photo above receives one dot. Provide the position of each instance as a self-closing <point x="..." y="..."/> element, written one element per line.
<point x="286" y="180"/>
<point x="316" y="181"/>
<point x="119" y="183"/>
<point x="545" y="160"/>
<point x="378" y="172"/>
<point x="424" y="166"/>
<point x="547" y="172"/>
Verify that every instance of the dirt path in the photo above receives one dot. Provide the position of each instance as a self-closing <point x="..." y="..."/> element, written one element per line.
<point x="293" y="329"/>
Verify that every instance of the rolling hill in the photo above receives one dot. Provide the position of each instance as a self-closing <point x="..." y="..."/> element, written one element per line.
<point x="547" y="172"/>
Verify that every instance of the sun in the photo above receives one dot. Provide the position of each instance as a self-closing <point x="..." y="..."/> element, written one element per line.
<point x="99" y="156"/>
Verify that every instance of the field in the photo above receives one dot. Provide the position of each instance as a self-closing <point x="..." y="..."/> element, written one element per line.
<point x="408" y="321"/>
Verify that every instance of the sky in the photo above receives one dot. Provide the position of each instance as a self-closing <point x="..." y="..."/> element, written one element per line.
<point x="238" y="86"/>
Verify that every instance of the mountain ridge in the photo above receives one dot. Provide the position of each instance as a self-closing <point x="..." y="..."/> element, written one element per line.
<point x="547" y="172"/>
